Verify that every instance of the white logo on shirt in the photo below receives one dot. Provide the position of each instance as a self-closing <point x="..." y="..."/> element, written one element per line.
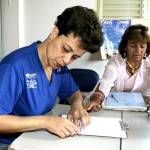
<point x="31" y="80"/>
<point x="31" y="83"/>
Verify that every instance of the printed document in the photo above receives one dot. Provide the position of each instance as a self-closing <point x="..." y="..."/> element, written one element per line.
<point x="125" y="101"/>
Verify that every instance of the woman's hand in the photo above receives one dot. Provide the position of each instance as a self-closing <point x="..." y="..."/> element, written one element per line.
<point x="95" y="102"/>
<point x="147" y="101"/>
<point x="92" y="106"/>
<point x="148" y="104"/>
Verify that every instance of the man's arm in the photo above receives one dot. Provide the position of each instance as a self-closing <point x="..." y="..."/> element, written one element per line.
<point x="77" y="111"/>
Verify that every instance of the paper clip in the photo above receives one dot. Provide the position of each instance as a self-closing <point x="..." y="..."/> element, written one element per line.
<point x="148" y="112"/>
<point x="124" y="126"/>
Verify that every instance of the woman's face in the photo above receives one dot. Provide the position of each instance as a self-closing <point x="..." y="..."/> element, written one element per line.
<point x="63" y="50"/>
<point x="136" y="50"/>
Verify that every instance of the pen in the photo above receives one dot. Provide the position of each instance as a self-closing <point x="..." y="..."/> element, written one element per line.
<point x="80" y="124"/>
<point x="112" y="96"/>
<point x="148" y="112"/>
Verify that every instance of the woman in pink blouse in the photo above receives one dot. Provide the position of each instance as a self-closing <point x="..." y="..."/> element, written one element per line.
<point x="129" y="71"/>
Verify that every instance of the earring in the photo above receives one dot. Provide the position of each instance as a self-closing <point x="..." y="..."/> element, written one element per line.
<point x="124" y="54"/>
<point x="145" y="55"/>
<point x="50" y="37"/>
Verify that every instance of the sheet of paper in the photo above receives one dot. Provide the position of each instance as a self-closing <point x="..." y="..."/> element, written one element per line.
<point x="125" y="101"/>
<point x="102" y="126"/>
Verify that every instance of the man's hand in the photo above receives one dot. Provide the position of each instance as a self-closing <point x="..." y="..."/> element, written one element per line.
<point x="78" y="112"/>
<point x="61" y="126"/>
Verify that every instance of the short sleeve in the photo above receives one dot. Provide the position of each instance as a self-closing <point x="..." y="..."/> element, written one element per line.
<point x="10" y="88"/>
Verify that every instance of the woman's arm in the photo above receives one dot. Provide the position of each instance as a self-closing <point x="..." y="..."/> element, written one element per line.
<point x="96" y="100"/>
<point x="106" y="83"/>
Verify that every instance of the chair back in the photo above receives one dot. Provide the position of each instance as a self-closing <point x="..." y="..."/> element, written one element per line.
<point x="86" y="79"/>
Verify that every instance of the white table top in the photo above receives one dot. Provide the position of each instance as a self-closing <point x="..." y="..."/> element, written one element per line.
<point x="139" y="131"/>
<point x="138" y="135"/>
<point x="40" y="140"/>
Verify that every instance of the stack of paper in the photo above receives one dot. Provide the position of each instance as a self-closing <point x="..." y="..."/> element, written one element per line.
<point x="125" y="101"/>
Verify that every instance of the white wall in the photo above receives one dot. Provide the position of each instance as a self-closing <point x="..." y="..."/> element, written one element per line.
<point x="36" y="19"/>
<point x="147" y="9"/>
<point x="10" y="26"/>
<point x="40" y="15"/>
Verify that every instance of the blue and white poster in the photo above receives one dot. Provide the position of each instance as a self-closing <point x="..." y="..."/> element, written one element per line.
<point x="113" y="31"/>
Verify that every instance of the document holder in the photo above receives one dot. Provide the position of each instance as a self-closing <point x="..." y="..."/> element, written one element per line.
<point x="124" y="126"/>
<point x="148" y="112"/>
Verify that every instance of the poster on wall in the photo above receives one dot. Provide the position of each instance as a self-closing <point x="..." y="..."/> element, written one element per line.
<point x="113" y="31"/>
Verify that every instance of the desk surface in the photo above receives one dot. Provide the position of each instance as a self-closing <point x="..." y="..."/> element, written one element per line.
<point x="139" y="132"/>
<point x="40" y="140"/>
<point x="138" y="135"/>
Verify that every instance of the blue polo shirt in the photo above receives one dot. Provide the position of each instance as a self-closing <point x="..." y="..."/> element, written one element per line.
<point x="25" y="89"/>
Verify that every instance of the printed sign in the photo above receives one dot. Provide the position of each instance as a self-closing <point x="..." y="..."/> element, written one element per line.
<point x="113" y="31"/>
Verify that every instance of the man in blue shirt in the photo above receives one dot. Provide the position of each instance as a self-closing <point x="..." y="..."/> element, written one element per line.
<point x="32" y="77"/>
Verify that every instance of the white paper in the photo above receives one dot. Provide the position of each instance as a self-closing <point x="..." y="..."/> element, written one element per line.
<point x="102" y="126"/>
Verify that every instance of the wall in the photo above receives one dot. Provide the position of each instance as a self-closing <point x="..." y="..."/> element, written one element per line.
<point x="39" y="25"/>
<point x="10" y="26"/>
<point x="34" y="21"/>
<point x="147" y="9"/>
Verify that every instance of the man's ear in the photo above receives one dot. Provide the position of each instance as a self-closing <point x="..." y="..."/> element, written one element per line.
<point x="54" y="33"/>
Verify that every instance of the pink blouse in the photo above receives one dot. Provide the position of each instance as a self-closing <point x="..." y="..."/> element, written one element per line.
<point x="129" y="82"/>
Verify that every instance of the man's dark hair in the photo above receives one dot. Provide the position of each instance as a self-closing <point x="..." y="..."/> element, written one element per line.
<point x="84" y="23"/>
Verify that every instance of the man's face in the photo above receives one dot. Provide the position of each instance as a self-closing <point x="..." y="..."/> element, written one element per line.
<point x="63" y="50"/>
